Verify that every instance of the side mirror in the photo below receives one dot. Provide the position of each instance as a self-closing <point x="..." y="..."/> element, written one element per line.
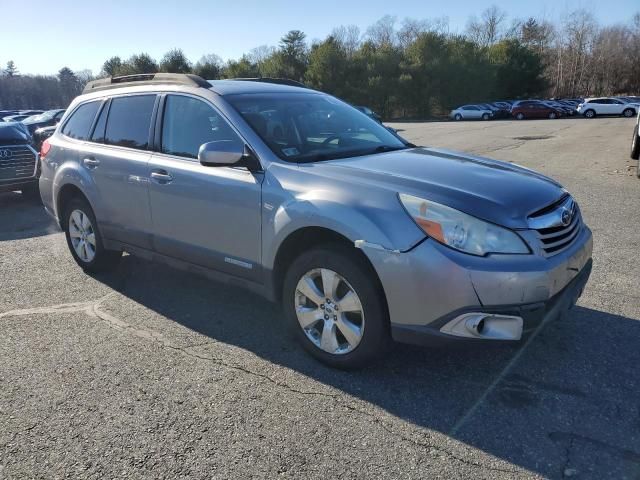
<point x="222" y="153"/>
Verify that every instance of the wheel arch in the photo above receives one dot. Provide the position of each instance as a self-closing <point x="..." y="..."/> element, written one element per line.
<point x="306" y="238"/>
<point x="65" y="194"/>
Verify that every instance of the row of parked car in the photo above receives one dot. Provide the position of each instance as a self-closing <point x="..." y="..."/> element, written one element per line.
<point x="526" y="109"/>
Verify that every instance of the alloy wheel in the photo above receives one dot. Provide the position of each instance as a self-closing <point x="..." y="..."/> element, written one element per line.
<point x="83" y="236"/>
<point x="329" y="311"/>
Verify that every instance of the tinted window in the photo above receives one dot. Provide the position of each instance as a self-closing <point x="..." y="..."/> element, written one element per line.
<point x="310" y="127"/>
<point x="80" y="122"/>
<point x="129" y="121"/>
<point x="98" y="132"/>
<point x="188" y="123"/>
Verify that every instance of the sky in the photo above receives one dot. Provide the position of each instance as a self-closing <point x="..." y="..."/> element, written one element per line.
<point x="83" y="34"/>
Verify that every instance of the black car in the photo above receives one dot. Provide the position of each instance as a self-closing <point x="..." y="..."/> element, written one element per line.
<point x="44" y="119"/>
<point x="19" y="168"/>
<point x="41" y="134"/>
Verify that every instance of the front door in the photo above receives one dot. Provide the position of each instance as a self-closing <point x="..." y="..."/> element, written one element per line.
<point x="209" y="216"/>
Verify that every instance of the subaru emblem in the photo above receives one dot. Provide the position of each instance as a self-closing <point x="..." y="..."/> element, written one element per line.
<point x="566" y="217"/>
<point x="4" y="154"/>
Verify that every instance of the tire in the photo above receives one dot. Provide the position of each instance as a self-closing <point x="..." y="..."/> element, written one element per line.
<point x="520" y="116"/>
<point x="32" y="192"/>
<point x="628" y="113"/>
<point x="485" y="116"/>
<point x="79" y="219"/>
<point x="553" y="116"/>
<point x="368" y="330"/>
<point x="590" y="113"/>
<point x="457" y="117"/>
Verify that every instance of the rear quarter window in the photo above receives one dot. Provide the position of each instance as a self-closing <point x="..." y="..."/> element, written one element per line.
<point x="79" y="124"/>
<point x="129" y="121"/>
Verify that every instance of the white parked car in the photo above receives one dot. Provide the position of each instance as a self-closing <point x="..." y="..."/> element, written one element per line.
<point x="592" y="107"/>
<point x="471" y="112"/>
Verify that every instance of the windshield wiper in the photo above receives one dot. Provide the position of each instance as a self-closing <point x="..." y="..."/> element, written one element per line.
<point x="389" y="148"/>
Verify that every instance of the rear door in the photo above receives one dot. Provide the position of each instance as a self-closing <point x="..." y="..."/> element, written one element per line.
<point x="116" y="157"/>
<point x="616" y="106"/>
<point x="209" y="216"/>
<point x="471" y="111"/>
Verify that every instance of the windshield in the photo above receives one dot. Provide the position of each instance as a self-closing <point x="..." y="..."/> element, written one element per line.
<point x="308" y="127"/>
<point x="41" y="117"/>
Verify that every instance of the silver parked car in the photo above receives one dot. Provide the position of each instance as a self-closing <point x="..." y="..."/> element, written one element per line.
<point x="294" y="194"/>
<point x="471" y="112"/>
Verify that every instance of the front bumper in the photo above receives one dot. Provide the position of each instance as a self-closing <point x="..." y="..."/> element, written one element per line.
<point x="13" y="185"/>
<point x="532" y="314"/>
<point x="431" y="284"/>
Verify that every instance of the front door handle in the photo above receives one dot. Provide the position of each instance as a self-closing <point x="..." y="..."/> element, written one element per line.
<point x="91" y="162"/>
<point x="161" y="176"/>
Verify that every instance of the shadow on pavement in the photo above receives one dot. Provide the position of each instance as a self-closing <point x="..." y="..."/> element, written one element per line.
<point x="22" y="217"/>
<point x="570" y="404"/>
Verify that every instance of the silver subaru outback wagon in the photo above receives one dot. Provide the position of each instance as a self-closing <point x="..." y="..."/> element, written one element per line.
<point x="292" y="193"/>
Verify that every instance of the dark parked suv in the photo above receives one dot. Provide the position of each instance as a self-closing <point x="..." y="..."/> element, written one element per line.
<point x="294" y="194"/>
<point x="18" y="160"/>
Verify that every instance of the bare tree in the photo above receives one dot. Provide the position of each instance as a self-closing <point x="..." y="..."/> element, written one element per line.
<point x="349" y="37"/>
<point x="383" y="32"/>
<point x="489" y="29"/>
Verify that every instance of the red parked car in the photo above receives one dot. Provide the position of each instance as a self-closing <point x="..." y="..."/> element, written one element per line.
<point x="534" y="110"/>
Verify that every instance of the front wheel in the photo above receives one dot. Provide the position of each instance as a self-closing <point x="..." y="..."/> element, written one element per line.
<point x="84" y="239"/>
<point x="336" y="307"/>
<point x="553" y="115"/>
<point x="590" y="114"/>
<point x="458" y="117"/>
<point x="485" y="116"/>
<point x="628" y="113"/>
<point x="520" y="116"/>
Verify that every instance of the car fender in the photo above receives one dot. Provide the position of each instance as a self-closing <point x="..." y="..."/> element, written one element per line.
<point x="72" y="173"/>
<point x="367" y="224"/>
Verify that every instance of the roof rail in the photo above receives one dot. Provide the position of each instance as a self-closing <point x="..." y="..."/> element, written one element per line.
<point x="146" y="79"/>
<point x="278" y="81"/>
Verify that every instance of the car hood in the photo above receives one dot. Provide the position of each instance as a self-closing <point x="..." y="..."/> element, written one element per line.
<point x="492" y="190"/>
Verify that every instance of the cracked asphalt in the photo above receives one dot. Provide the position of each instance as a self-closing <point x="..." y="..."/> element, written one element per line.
<point x="149" y="372"/>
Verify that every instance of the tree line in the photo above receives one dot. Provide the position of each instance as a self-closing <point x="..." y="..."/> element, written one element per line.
<point x="410" y="69"/>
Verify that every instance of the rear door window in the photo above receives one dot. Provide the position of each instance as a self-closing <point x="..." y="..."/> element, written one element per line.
<point x="79" y="124"/>
<point x="129" y="121"/>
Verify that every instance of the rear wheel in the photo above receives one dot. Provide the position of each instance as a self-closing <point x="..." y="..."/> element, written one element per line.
<point x="336" y="310"/>
<point x="590" y="114"/>
<point x="628" y="112"/>
<point x="520" y="116"/>
<point x="84" y="239"/>
<point x="553" y="115"/>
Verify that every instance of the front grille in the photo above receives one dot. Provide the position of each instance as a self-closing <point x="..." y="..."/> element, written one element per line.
<point x="17" y="162"/>
<point x="557" y="237"/>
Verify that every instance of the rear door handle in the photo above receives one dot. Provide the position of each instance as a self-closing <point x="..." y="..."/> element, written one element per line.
<point x="91" y="162"/>
<point x="161" y="176"/>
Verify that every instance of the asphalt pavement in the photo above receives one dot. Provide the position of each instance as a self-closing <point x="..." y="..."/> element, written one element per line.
<point x="148" y="372"/>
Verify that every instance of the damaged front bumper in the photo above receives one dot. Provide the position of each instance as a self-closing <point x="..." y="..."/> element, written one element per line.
<point x="438" y="294"/>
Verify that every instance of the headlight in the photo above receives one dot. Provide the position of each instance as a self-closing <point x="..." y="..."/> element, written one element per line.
<point x="461" y="231"/>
